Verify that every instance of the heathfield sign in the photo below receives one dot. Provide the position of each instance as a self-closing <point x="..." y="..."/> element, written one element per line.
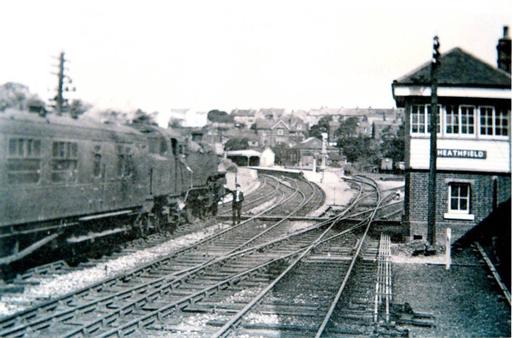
<point x="462" y="153"/>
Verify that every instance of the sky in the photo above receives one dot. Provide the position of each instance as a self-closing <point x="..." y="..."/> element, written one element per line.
<point x="226" y="54"/>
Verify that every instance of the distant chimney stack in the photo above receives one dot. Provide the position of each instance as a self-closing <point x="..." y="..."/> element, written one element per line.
<point x="504" y="51"/>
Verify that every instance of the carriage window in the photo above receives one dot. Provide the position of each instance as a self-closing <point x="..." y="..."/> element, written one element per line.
<point x="153" y="145"/>
<point x="65" y="162"/>
<point x="174" y="145"/>
<point x="157" y="145"/>
<point x="125" y="161"/>
<point x="96" y="171"/>
<point x="24" y="162"/>
<point x="163" y="146"/>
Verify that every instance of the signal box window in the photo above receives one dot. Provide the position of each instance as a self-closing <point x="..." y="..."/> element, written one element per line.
<point x="467" y="120"/>
<point x="459" y="201"/>
<point x="438" y="119"/>
<point x="64" y="162"/>
<point x="459" y="197"/>
<point x="24" y="161"/>
<point x="502" y="122"/>
<point x="494" y="122"/>
<point x="486" y="120"/>
<point x="418" y="119"/>
<point x="452" y="119"/>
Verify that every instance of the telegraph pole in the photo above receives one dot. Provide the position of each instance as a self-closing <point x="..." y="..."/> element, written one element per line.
<point x="59" y="99"/>
<point x="436" y="61"/>
<point x="64" y="80"/>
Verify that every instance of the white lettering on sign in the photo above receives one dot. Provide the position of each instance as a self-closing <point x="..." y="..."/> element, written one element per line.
<point x="462" y="153"/>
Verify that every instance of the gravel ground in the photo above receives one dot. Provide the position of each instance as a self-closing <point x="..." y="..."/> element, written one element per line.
<point x="337" y="191"/>
<point x="53" y="286"/>
<point x="56" y="285"/>
<point x="384" y="185"/>
<point x="463" y="300"/>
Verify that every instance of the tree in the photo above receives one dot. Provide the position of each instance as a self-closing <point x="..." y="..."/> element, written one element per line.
<point x="393" y="146"/>
<point x="347" y="128"/>
<point x="110" y="116"/>
<point x="321" y="127"/>
<point x="360" y="148"/>
<point x="175" y="123"/>
<point x="141" y="117"/>
<point x="219" y="116"/>
<point x="237" y="144"/>
<point x="14" y="95"/>
<point x="78" y="107"/>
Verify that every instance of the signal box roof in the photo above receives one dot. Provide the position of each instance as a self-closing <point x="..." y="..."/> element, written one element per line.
<point x="458" y="69"/>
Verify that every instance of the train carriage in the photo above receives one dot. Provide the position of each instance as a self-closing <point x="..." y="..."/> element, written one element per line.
<point x="66" y="181"/>
<point x="58" y="170"/>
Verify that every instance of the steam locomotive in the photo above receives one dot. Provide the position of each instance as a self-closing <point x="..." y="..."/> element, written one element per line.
<point x="67" y="181"/>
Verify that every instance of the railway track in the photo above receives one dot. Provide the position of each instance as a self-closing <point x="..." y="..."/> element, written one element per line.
<point x="56" y="317"/>
<point x="31" y="276"/>
<point x="299" y="296"/>
<point x="245" y="280"/>
<point x="268" y="189"/>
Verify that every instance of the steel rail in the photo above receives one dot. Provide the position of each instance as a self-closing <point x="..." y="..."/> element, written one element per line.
<point x="224" y="330"/>
<point x="30" y="313"/>
<point x="299" y="207"/>
<point x="260" y="192"/>
<point x="494" y="272"/>
<point x="120" y="331"/>
<point x="188" y="272"/>
<point x="159" y="313"/>
<point x="232" y="254"/>
<point x="352" y="263"/>
<point x="253" y="249"/>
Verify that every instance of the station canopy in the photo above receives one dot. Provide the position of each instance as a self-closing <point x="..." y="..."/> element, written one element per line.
<point x="244" y="153"/>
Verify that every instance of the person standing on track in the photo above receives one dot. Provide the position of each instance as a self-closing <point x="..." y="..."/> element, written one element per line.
<point x="238" y="198"/>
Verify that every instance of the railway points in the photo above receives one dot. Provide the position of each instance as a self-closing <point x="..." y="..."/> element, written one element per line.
<point x="283" y="271"/>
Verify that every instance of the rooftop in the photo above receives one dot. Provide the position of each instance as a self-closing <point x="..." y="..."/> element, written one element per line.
<point x="243" y="112"/>
<point x="459" y="69"/>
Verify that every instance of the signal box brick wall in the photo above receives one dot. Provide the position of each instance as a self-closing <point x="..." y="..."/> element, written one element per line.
<point x="481" y="204"/>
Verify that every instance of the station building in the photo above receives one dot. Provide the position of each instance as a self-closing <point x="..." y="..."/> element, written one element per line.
<point x="473" y="144"/>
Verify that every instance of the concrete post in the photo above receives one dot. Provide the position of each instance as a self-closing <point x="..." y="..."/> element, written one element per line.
<point x="448" y="248"/>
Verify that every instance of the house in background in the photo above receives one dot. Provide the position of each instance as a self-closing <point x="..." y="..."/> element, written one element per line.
<point x="298" y="129"/>
<point x="279" y="133"/>
<point x="307" y="154"/>
<point x="272" y="114"/>
<point x="245" y="117"/>
<point x="262" y="127"/>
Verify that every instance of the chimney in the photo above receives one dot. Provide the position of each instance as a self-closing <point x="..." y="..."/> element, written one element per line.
<point x="504" y="51"/>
